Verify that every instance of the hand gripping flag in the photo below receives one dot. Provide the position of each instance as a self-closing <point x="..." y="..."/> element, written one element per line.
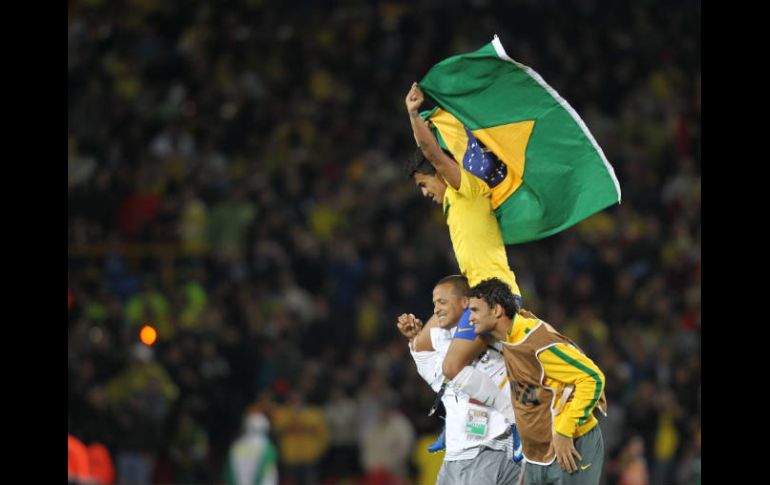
<point x="511" y="129"/>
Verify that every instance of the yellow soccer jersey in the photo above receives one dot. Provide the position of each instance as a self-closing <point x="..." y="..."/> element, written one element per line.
<point x="566" y="366"/>
<point x="476" y="238"/>
<point x="575" y="379"/>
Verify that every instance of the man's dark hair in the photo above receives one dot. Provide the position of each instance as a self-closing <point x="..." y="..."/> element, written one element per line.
<point x="417" y="163"/>
<point x="496" y="292"/>
<point x="459" y="283"/>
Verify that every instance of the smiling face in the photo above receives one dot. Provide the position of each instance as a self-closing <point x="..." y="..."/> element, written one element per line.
<point x="431" y="186"/>
<point x="483" y="317"/>
<point x="448" y="305"/>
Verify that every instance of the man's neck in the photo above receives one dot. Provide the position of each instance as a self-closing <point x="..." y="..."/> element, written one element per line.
<point x="502" y="328"/>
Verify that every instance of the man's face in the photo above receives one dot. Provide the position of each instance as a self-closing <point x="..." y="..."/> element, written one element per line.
<point x="431" y="186"/>
<point x="482" y="316"/>
<point x="448" y="305"/>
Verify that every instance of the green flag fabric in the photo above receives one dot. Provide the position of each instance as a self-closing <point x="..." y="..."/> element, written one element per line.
<point x="510" y="128"/>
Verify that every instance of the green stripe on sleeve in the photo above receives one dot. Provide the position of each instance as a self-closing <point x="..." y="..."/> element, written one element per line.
<point x="597" y="392"/>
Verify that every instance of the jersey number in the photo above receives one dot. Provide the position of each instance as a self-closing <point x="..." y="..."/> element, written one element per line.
<point x="524" y="394"/>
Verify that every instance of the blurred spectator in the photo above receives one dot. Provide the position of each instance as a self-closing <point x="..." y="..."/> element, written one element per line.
<point x="633" y="465"/>
<point x="370" y="324"/>
<point x="139" y="208"/>
<point x="189" y="450"/>
<point x="194" y="303"/>
<point x="371" y="398"/>
<point x="303" y="438"/>
<point x="689" y="469"/>
<point x="150" y="307"/>
<point x="341" y="413"/>
<point x="387" y="443"/>
<point x="192" y="222"/>
<point x="78" y="466"/>
<point x="253" y="459"/>
<point x="666" y="437"/>
<point x="295" y="298"/>
<point x="141" y="397"/>
<point x="587" y="331"/>
<point x="642" y="416"/>
<point x="229" y="221"/>
<point x="100" y="462"/>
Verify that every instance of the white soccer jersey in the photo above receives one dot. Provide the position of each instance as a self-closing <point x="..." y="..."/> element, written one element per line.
<point x="468" y="425"/>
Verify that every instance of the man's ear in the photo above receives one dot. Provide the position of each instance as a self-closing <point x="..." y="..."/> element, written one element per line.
<point x="497" y="311"/>
<point x="465" y="301"/>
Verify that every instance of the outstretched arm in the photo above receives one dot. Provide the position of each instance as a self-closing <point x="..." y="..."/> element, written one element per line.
<point x="444" y="164"/>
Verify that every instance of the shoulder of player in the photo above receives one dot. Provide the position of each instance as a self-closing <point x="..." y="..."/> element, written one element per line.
<point x="470" y="184"/>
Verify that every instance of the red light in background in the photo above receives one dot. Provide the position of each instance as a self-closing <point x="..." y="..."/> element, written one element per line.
<point x="148" y="335"/>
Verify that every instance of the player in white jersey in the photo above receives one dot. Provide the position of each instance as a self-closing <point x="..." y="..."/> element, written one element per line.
<point x="478" y="437"/>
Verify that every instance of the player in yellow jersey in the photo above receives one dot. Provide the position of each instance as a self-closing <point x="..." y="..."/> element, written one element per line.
<point x="554" y="386"/>
<point x="476" y="237"/>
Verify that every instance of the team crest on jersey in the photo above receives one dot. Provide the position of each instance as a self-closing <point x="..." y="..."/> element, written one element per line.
<point x="485" y="358"/>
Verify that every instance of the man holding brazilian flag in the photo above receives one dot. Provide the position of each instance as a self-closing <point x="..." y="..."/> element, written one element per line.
<point x="544" y="168"/>
<point x="523" y="166"/>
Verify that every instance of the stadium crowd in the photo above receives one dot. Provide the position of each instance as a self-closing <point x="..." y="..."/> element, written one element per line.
<point x="235" y="181"/>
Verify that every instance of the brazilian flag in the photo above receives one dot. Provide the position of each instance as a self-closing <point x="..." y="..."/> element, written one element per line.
<point x="511" y="129"/>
